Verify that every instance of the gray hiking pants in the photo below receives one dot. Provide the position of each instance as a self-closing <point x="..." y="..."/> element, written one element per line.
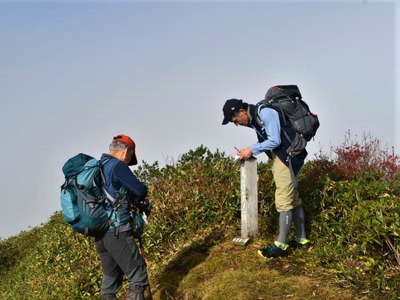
<point x="120" y="255"/>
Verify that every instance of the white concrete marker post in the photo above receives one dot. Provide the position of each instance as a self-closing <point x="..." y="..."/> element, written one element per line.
<point x="249" y="201"/>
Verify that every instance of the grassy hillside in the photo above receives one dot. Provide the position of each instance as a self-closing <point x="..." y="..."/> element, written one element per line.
<point x="352" y="206"/>
<point x="207" y="270"/>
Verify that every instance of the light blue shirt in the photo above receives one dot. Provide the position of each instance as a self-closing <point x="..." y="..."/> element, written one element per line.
<point x="272" y="125"/>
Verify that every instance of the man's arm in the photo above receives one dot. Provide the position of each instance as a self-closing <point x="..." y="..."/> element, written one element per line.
<point x="270" y="118"/>
<point x="125" y="176"/>
<point x="272" y="125"/>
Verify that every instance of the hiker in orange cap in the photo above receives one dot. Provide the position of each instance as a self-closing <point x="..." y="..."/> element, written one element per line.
<point x="118" y="251"/>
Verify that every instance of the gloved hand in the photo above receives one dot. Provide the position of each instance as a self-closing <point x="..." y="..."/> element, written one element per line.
<point x="144" y="206"/>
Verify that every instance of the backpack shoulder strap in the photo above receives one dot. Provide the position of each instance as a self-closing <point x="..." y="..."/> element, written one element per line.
<point x="113" y="201"/>
<point x="260" y="105"/>
<point x="103" y="179"/>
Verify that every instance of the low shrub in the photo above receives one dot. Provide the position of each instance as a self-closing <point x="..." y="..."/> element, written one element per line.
<point x="201" y="190"/>
<point x="353" y="211"/>
<point x="354" y="157"/>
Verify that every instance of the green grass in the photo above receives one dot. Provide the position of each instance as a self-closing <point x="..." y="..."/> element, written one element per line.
<point x="216" y="269"/>
<point x="50" y="261"/>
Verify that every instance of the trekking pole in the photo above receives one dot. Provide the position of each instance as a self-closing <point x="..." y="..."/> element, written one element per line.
<point x="141" y="249"/>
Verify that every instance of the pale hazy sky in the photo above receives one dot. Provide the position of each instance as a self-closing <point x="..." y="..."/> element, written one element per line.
<point x="72" y="75"/>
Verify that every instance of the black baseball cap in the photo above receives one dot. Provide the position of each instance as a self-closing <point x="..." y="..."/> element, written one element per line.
<point x="231" y="107"/>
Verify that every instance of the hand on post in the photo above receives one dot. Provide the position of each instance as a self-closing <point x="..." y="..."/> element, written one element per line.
<point x="245" y="153"/>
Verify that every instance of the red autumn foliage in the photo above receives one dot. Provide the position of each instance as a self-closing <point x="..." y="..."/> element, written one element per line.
<point x="354" y="157"/>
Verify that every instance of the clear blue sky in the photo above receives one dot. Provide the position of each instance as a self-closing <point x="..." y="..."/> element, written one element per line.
<point x="73" y="75"/>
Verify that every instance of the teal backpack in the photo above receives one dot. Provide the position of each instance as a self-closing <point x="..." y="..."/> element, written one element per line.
<point x="83" y="202"/>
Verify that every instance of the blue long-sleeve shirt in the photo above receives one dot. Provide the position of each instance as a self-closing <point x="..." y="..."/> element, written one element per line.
<point x="118" y="174"/>
<point x="270" y="118"/>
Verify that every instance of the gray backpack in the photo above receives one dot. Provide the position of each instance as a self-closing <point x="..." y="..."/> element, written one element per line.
<point x="287" y="99"/>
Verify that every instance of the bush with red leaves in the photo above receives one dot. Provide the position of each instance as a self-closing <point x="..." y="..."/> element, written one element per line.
<point x="354" y="157"/>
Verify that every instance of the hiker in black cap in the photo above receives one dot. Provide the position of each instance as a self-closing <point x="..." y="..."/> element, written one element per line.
<point x="273" y="135"/>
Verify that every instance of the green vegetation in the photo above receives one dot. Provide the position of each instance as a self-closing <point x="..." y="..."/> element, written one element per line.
<point x="352" y="217"/>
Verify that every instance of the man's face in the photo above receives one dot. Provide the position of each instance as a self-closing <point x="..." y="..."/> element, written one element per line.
<point x="241" y="118"/>
<point x="127" y="155"/>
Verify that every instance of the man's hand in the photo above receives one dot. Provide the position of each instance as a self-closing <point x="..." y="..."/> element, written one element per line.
<point x="245" y="153"/>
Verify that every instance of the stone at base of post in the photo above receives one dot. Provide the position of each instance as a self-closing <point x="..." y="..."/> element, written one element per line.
<point x="240" y="241"/>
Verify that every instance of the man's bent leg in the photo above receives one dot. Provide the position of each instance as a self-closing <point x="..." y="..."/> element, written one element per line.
<point x="286" y="199"/>
<point x="127" y="255"/>
<point x="135" y="294"/>
<point x="301" y="240"/>
<point x="286" y="194"/>
<point x="112" y="273"/>
<point x="285" y="221"/>
<point x="299" y="220"/>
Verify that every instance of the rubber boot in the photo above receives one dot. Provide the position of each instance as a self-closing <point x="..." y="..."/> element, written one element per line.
<point x="135" y="294"/>
<point x="108" y="297"/>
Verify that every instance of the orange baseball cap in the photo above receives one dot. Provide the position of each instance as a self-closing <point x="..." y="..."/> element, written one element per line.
<point x="130" y="143"/>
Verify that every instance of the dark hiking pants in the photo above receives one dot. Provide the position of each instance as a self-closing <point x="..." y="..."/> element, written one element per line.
<point x="120" y="255"/>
